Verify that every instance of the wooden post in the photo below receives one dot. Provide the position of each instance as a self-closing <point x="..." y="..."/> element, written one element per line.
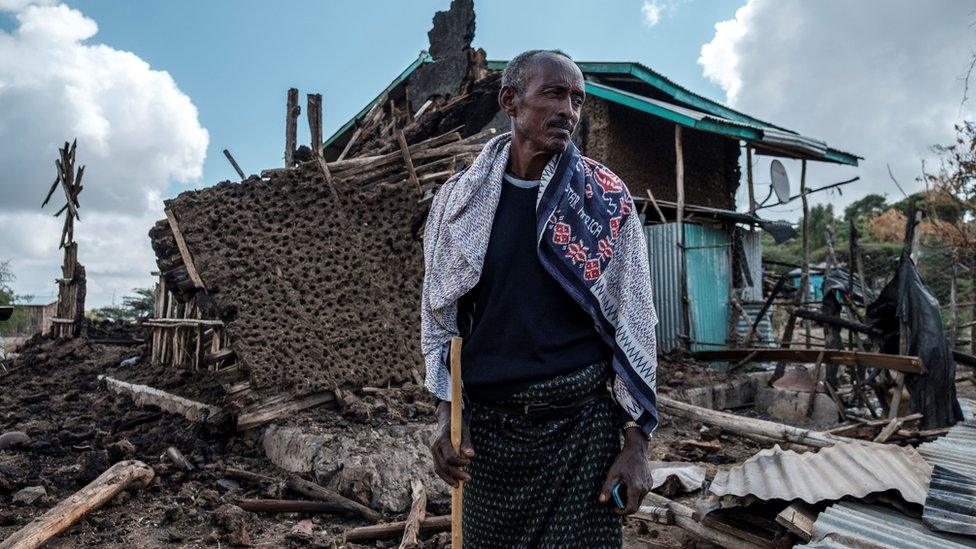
<point x="457" y="537"/>
<point x="315" y="122"/>
<point x="679" y="168"/>
<point x="752" y="190"/>
<point x="407" y="161"/>
<point x="953" y="306"/>
<point x="233" y="163"/>
<point x="118" y="477"/>
<point x="292" y="110"/>
<point x="812" y="401"/>
<point x="805" y="276"/>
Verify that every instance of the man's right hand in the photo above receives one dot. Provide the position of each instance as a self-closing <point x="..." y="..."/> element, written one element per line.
<point x="448" y="464"/>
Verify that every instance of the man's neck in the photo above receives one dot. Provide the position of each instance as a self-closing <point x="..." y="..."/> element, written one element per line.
<point x="525" y="161"/>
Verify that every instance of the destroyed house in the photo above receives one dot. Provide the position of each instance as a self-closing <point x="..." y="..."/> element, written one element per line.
<point x="635" y="121"/>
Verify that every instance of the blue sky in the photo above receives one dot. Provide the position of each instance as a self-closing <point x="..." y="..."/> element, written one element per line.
<point x="237" y="59"/>
<point x="155" y="90"/>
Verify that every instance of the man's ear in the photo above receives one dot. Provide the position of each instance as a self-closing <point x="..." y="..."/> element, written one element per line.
<point x="506" y="100"/>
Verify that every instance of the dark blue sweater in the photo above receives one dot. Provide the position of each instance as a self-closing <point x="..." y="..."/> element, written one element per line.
<point x="519" y="325"/>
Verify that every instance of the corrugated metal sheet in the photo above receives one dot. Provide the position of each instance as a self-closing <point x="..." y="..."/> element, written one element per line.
<point x="662" y="249"/>
<point x="951" y="502"/>
<point x="856" y="525"/>
<point x="707" y="261"/>
<point x="955" y="451"/>
<point x="764" y="332"/>
<point x="707" y="257"/>
<point x="852" y="469"/>
<point x="752" y="249"/>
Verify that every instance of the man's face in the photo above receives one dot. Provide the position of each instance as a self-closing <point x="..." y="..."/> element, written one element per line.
<point x="547" y="111"/>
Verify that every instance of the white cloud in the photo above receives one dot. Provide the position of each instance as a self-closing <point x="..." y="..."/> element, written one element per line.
<point x="652" y="12"/>
<point x="137" y="133"/>
<point x="879" y="78"/>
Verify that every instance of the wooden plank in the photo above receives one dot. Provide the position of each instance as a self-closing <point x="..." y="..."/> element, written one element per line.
<point x="741" y="424"/>
<point x="660" y="214"/>
<point x="315" y="122"/>
<point x="407" y="161"/>
<point x="906" y="364"/>
<point x="122" y="475"/>
<point x="313" y="490"/>
<point x="233" y="163"/>
<point x="798" y="518"/>
<point x="811" y="400"/>
<point x="679" y="163"/>
<point x="684" y="517"/>
<point x="393" y="529"/>
<point x="752" y="190"/>
<point x="264" y="412"/>
<point x="292" y="111"/>
<point x="191" y="269"/>
<point x="805" y="266"/>
<point x="294" y="506"/>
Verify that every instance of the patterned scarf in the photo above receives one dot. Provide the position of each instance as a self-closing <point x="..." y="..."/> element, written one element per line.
<point x="590" y="241"/>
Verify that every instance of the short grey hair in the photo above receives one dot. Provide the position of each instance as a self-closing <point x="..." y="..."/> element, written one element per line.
<point x="515" y="71"/>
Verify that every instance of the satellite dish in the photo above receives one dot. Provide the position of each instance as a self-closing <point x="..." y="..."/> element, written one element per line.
<point x="781" y="183"/>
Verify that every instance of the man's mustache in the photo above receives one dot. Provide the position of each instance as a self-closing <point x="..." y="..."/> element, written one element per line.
<point x="562" y="125"/>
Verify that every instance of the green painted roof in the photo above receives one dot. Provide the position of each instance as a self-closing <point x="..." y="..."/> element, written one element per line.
<point x="700" y="113"/>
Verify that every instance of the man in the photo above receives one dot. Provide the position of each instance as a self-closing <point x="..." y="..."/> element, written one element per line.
<point x="535" y="255"/>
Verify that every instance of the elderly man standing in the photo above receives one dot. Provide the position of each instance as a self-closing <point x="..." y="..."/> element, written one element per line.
<point x="536" y="257"/>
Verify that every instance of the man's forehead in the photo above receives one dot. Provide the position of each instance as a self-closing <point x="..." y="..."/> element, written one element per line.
<point x="554" y="69"/>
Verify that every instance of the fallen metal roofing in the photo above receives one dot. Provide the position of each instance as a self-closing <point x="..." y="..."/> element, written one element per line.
<point x="955" y="451"/>
<point x="856" y="525"/>
<point x="951" y="503"/>
<point x="849" y="469"/>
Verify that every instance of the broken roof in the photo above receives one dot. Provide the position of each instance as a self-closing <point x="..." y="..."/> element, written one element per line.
<point x="636" y="86"/>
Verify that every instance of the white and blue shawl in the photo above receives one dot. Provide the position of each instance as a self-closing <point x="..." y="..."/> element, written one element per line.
<point x="590" y="240"/>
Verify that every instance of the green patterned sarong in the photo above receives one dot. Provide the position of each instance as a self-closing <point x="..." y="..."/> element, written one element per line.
<point x="535" y="483"/>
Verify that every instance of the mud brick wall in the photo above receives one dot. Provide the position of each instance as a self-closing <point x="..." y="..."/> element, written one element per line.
<point x="312" y="302"/>
<point x="640" y="149"/>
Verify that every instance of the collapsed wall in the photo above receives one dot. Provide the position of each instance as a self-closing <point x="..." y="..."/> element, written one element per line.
<point x="313" y="298"/>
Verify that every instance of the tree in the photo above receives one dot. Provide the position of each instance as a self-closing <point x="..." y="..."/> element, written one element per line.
<point x="953" y="190"/>
<point x="819" y="219"/>
<point x="134" y="307"/>
<point x="18" y="319"/>
<point x="869" y="206"/>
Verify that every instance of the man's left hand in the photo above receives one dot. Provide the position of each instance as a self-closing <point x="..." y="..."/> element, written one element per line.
<point x="631" y="469"/>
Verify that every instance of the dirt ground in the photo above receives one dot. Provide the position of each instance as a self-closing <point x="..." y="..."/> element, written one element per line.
<point x="78" y="428"/>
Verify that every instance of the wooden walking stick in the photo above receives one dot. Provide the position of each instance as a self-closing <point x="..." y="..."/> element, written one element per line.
<point x="457" y="537"/>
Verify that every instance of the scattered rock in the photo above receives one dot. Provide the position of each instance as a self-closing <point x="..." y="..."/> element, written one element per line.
<point x="228" y="485"/>
<point x="30" y="495"/>
<point x="791" y="406"/>
<point x="121" y="450"/>
<point x="232" y="520"/>
<point x="302" y="530"/>
<point x="90" y="465"/>
<point x="13" y="439"/>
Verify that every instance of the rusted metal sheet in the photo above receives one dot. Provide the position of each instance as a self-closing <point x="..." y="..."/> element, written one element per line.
<point x="859" y="526"/>
<point x="850" y="469"/>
